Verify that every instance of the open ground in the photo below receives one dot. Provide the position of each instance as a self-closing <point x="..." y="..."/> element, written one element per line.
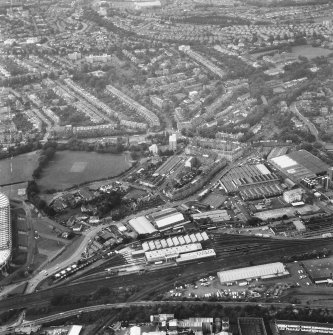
<point x="69" y="168"/>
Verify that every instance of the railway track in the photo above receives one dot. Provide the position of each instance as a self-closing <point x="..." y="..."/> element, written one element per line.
<point x="231" y="250"/>
<point x="234" y="249"/>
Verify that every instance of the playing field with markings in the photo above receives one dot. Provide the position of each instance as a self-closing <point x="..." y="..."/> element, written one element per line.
<point x="69" y="168"/>
<point x="18" y="169"/>
<point x="78" y="167"/>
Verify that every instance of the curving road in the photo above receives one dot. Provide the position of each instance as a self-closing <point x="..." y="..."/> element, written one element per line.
<point x="312" y="128"/>
<point x="73" y="258"/>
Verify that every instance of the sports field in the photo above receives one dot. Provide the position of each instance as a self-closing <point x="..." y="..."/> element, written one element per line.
<point x="18" y="169"/>
<point x="70" y="168"/>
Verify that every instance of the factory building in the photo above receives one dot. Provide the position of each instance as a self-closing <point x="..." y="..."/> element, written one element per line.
<point x="167" y="218"/>
<point x="141" y="225"/>
<point x="265" y="271"/>
<point x="197" y="255"/>
<point x="293" y="195"/>
<point x="171" y="253"/>
<point x="215" y="216"/>
<point x="174" y="241"/>
<point x="299" y="165"/>
<point x="252" y="181"/>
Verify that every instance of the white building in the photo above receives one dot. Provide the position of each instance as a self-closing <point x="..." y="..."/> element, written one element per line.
<point x="153" y="149"/>
<point x="171" y="252"/>
<point x="293" y="195"/>
<point x="135" y="330"/>
<point x="173" y="142"/>
<point x="142" y="225"/>
<point x="264" y="271"/>
<point x="169" y="221"/>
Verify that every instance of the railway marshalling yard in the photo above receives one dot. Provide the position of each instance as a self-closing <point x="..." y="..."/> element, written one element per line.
<point x="230" y="250"/>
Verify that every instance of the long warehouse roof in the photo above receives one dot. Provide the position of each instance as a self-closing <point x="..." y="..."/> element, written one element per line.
<point x="170" y="220"/>
<point x="252" y="272"/>
<point x="142" y="225"/>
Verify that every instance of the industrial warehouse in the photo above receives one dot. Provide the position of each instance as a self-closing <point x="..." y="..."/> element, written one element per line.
<point x="180" y="248"/>
<point x="252" y="181"/>
<point x="320" y="271"/>
<point x="299" y="165"/>
<point x="142" y="225"/>
<point x="167" y="218"/>
<point x="174" y="241"/>
<point x="265" y="271"/>
<point x="162" y="220"/>
<point x="215" y="216"/>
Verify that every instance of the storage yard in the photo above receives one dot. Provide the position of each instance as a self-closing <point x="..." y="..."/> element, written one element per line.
<point x="319" y="270"/>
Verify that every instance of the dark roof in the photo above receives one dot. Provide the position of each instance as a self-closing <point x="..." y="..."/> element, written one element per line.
<point x="308" y="160"/>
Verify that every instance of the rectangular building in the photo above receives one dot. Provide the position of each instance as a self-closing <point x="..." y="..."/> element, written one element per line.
<point x="142" y="225"/>
<point x="302" y="326"/>
<point x="263" y="271"/>
<point x="197" y="255"/>
<point x="161" y="254"/>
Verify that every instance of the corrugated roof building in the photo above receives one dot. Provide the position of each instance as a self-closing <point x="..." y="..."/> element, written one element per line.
<point x="263" y="271"/>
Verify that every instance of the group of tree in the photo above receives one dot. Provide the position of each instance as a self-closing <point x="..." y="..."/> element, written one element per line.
<point x="307" y="255"/>
<point x="47" y="153"/>
<point x="33" y="194"/>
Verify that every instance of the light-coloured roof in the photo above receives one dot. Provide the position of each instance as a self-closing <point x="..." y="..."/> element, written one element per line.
<point x="263" y="169"/>
<point x="181" y="249"/>
<point x="135" y="330"/>
<point x="251" y="272"/>
<point x="75" y="330"/>
<point x="4" y="201"/>
<point x="170" y="220"/>
<point x="197" y="254"/>
<point x="284" y="161"/>
<point x="142" y="225"/>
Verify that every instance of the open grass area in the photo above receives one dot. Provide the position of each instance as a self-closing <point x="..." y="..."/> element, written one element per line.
<point x="21" y="224"/>
<point x="19" y="257"/>
<point x="70" y="249"/>
<point x="18" y="169"/>
<point x="39" y="259"/>
<point x="46" y="226"/>
<point x="22" y="240"/>
<point x="70" y="168"/>
<point x="18" y="290"/>
<point x="47" y="246"/>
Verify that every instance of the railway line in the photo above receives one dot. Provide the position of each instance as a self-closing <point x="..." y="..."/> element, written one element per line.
<point x="230" y="249"/>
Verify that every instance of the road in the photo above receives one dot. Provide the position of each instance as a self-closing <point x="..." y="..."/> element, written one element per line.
<point x="312" y="128"/>
<point x="75" y="312"/>
<point x="53" y="269"/>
